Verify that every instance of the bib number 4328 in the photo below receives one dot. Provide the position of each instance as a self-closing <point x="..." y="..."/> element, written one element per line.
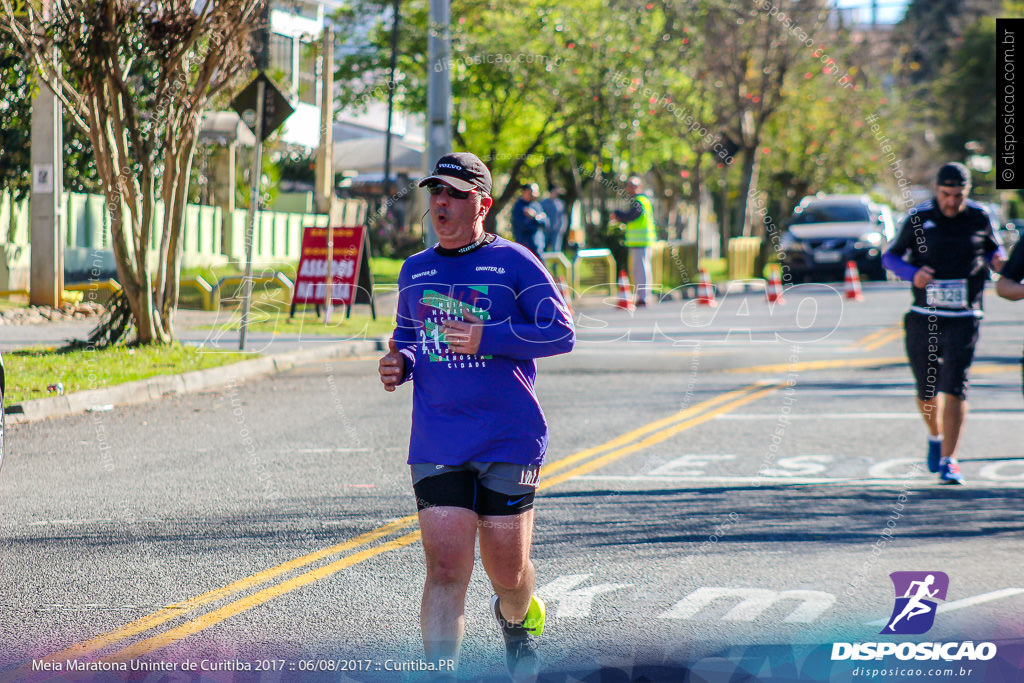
<point x="946" y="293"/>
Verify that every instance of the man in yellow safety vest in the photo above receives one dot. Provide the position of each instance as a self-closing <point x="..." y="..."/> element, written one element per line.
<point x="641" y="234"/>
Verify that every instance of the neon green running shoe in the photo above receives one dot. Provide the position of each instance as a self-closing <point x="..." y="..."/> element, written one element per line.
<point x="521" y="658"/>
<point x="535" y="616"/>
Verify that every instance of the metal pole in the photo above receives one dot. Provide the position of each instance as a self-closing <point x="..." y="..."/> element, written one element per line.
<point x="325" y="153"/>
<point x="439" y="92"/>
<point x="391" y="102"/>
<point x="46" y="271"/>
<point x="254" y="200"/>
<point x="329" y="289"/>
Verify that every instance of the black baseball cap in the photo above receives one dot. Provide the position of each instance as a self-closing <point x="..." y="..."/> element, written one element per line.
<point x="463" y="171"/>
<point x="953" y="174"/>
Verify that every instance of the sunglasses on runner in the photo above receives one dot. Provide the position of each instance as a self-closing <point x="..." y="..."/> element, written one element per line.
<point x="438" y="188"/>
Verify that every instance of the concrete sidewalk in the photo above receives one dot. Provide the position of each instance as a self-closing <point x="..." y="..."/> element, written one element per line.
<point x="271" y="353"/>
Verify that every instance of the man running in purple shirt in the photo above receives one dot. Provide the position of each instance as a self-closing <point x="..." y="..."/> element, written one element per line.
<point x="474" y="312"/>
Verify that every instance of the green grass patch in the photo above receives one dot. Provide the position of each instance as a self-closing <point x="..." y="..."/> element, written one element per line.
<point x="385" y="270"/>
<point x="718" y="268"/>
<point x="29" y="372"/>
<point x="306" y="322"/>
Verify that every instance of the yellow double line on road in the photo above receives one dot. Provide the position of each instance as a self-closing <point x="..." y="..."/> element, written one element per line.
<point x="879" y="338"/>
<point x="554" y="473"/>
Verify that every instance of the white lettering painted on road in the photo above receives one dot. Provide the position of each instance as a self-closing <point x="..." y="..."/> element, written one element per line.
<point x="751" y="603"/>
<point x="800" y="465"/>
<point x="897" y="468"/>
<point x="687" y="464"/>
<point x="575" y="603"/>
<point x="994" y="472"/>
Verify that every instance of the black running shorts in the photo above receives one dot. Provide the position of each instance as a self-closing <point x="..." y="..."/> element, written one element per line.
<point x="486" y="488"/>
<point x="940" y="350"/>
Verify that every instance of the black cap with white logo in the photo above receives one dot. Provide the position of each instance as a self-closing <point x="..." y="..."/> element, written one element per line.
<point x="953" y="174"/>
<point x="463" y="171"/>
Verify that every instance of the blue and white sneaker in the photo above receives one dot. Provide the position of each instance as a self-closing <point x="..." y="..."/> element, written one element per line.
<point x="934" y="455"/>
<point x="949" y="472"/>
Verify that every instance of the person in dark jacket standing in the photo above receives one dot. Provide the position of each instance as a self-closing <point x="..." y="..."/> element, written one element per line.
<point x="529" y="220"/>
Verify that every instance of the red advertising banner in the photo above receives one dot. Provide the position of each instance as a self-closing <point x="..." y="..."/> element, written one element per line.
<point x="311" y="280"/>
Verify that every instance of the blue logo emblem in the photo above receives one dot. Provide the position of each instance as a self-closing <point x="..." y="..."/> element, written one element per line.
<point x="916" y="593"/>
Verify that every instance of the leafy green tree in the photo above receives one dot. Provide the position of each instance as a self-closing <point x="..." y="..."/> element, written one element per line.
<point x="16" y="92"/>
<point x="135" y="78"/>
<point x="531" y="81"/>
<point x="15" y="122"/>
<point x="750" y="53"/>
<point x="822" y="139"/>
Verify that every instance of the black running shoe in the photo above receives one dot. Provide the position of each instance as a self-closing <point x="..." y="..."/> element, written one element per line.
<point x="521" y="659"/>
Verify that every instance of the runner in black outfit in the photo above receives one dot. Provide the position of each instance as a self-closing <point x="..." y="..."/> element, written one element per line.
<point x="945" y="247"/>
<point x="1010" y="285"/>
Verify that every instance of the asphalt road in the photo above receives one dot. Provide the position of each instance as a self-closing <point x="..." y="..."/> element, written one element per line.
<point x="724" y="484"/>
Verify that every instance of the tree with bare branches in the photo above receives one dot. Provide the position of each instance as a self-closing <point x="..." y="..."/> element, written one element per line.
<point x="751" y="51"/>
<point x="136" y="77"/>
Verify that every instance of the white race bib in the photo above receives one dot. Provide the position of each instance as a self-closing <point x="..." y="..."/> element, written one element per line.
<point x="946" y="293"/>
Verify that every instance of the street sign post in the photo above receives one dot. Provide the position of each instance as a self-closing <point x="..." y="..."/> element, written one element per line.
<point x="262" y="108"/>
<point x="276" y="107"/>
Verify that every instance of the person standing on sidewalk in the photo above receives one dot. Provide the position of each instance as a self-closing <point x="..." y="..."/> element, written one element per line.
<point x="641" y="234"/>
<point x="945" y="247"/>
<point x="1011" y="284"/>
<point x="474" y="312"/>
<point x="529" y="220"/>
<point x="554" y="209"/>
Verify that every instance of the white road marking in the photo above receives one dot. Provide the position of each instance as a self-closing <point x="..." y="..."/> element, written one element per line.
<point x="327" y="450"/>
<point x="975" y="415"/>
<point x="925" y="479"/>
<point x="687" y="463"/>
<point x="905" y="467"/>
<point x="575" y="603"/>
<point x="992" y="471"/>
<point x="798" y="465"/>
<point x="751" y="603"/>
<point x="964" y="602"/>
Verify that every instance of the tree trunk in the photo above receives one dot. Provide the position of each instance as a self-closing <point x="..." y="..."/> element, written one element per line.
<point x="748" y="179"/>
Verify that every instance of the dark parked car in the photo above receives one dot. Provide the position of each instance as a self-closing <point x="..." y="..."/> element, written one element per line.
<point x="827" y="231"/>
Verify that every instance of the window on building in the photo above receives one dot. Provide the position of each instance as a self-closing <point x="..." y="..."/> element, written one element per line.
<point x="308" y="91"/>
<point x="281" y="56"/>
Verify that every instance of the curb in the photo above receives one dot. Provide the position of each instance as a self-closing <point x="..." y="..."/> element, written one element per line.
<point x="154" y="388"/>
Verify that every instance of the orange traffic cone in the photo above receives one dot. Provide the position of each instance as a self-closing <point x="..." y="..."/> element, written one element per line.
<point x="625" y="300"/>
<point x="853" y="282"/>
<point x="774" y="290"/>
<point x="705" y="290"/>
<point x="563" y="289"/>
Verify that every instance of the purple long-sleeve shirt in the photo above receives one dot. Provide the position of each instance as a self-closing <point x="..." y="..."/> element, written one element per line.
<point x="480" y="407"/>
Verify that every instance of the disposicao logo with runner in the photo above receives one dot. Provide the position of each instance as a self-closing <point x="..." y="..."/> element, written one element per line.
<point x="913" y="613"/>
<point x="916" y="595"/>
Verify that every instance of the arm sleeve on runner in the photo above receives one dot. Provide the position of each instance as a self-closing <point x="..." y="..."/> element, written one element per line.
<point x="893" y="259"/>
<point x="1000" y="252"/>
<point x="897" y="265"/>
